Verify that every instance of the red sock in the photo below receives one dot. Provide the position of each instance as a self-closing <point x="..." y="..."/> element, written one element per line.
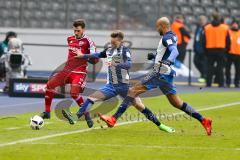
<point x="48" y="99"/>
<point x="79" y="100"/>
<point x="75" y="90"/>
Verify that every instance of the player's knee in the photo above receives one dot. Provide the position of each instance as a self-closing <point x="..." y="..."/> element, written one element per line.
<point x="49" y="89"/>
<point x="132" y="92"/>
<point x="74" y="95"/>
<point x="49" y="86"/>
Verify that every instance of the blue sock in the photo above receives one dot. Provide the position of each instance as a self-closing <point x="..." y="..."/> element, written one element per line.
<point x="149" y="115"/>
<point x="191" y="111"/>
<point x="122" y="108"/>
<point x="85" y="106"/>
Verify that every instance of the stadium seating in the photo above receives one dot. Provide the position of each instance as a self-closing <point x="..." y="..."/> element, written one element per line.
<point x="102" y="14"/>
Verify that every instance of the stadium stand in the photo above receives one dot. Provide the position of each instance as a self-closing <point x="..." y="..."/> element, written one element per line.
<point x="108" y="14"/>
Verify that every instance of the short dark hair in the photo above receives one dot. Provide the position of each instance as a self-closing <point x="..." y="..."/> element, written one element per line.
<point x="117" y="34"/>
<point x="216" y="16"/>
<point x="10" y="34"/>
<point x="79" y="22"/>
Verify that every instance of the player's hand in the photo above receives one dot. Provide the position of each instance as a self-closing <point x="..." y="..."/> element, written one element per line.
<point x="165" y="69"/>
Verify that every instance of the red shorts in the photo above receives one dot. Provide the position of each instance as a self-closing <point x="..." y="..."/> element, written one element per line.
<point x="63" y="78"/>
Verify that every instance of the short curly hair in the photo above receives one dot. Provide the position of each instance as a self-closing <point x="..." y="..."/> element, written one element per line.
<point x="117" y="34"/>
<point x="79" y="22"/>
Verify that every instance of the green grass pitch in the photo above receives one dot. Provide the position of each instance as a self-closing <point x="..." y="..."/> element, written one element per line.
<point x="142" y="140"/>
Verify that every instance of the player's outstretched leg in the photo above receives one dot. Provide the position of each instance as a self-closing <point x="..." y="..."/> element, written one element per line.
<point x="111" y="120"/>
<point x="207" y="124"/>
<point x="68" y="115"/>
<point x="88" y="119"/>
<point x="76" y="88"/>
<point x="73" y="119"/>
<point x="84" y="107"/>
<point x="150" y="116"/>
<point x="48" y="101"/>
<point x="50" y="91"/>
<point x="178" y="103"/>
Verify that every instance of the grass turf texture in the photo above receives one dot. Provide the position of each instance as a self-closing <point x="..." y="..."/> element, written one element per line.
<point x="133" y="141"/>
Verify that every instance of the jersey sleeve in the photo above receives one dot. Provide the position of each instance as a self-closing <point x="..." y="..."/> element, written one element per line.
<point x="170" y="42"/>
<point x="96" y="55"/>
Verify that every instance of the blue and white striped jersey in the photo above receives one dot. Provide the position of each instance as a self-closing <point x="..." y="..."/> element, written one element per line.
<point x="167" y="48"/>
<point x="119" y="63"/>
<point x="119" y="60"/>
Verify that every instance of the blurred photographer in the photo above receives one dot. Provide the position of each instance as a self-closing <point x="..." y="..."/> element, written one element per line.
<point x="16" y="62"/>
<point x="4" y="50"/>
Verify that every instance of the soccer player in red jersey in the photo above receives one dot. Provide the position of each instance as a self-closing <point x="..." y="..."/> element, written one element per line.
<point x="75" y="69"/>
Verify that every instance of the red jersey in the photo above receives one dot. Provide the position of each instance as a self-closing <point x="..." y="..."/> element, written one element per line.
<point x="86" y="45"/>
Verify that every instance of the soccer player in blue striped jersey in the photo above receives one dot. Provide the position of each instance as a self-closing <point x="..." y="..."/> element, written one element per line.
<point x="119" y="62"/>
<point x="161" y="77"/>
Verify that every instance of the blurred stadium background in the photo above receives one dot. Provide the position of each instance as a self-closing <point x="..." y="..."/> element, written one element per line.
<point x="43" y="25"/>
<point x="108" y="14"/>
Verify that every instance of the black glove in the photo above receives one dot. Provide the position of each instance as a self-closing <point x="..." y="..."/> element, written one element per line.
<point x="151" y="56"/>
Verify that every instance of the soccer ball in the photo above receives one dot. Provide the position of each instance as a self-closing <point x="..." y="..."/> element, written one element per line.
<point x="36" y="122"/>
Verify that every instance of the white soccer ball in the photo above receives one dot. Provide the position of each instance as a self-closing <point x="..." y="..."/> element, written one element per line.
<point x="36" y="122"/>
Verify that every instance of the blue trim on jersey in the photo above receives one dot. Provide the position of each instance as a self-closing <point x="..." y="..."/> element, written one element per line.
<point x="169" y="41"/>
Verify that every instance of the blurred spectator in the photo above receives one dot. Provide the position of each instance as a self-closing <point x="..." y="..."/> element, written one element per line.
<point x="199" y="56"/>
<point x="224" y="21"/>
<point x="216" y="42"/>
<point x="183" y="36"/>
<point x="233" y="56"/>
<point x="15" y="61"/>
<point x="4" y="50"/>
<point x="4" y="44"/>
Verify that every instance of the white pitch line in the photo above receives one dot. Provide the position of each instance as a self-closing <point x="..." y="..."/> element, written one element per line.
<point x="143" y="146"/>
<point x="89" y="129"/>
<point x="21" y="104"/>
<point x="14" y="128"/>
<point x="219" y="106"/>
